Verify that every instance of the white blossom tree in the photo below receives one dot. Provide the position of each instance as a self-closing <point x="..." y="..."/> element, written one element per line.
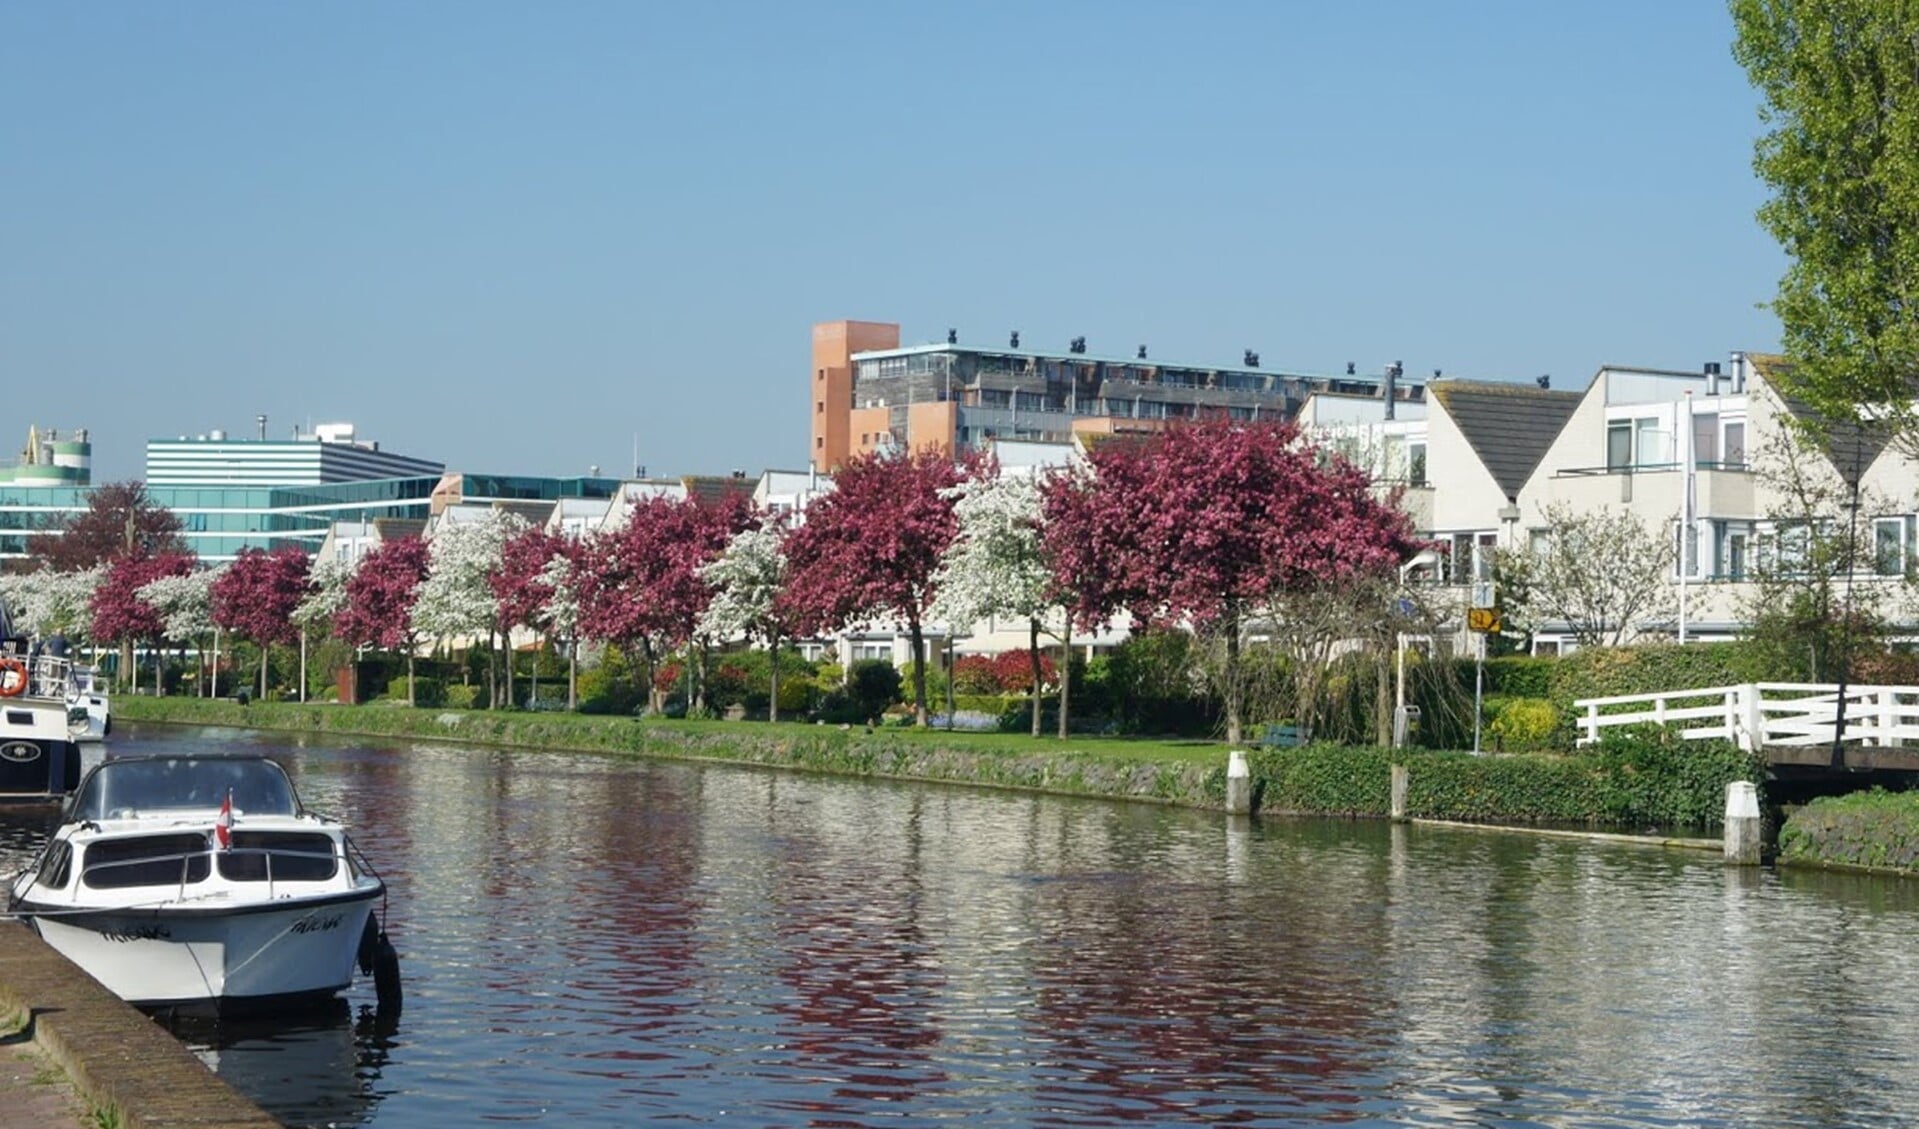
<point x="747" y="579"/>
<point x="45" y="603"/>
<point x="326" y="595"/>
<point x="1601" y="572"/>
<point x="996" y="567"/>
<point x="456" y="599"/>
<point x="185" y="606"/>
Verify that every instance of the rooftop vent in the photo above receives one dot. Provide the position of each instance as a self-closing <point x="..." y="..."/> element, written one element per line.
<point x="952" y="337"/>
<point x="1142" y="352"/>
<point x="1076" y="345"/>
<point x="1350" y="367"/>
<point x="1013" y="340"/>
<point x="1544" y="380"/>
<point x="1250" y="359"/>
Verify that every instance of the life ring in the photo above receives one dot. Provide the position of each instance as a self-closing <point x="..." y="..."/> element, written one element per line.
<point x="13" y="677"/>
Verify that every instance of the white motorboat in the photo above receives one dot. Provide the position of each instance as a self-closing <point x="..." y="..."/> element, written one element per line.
<point x="200" y="881"/>
<point x="89" y="714"/>
<point x="39" y="759"/>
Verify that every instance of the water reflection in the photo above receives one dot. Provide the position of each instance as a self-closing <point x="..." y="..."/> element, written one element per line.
<point x="318" y="1066"/>
<point x="603" y="942"/>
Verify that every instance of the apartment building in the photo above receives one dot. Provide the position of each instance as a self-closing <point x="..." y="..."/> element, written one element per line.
<point x="870" y="393"/>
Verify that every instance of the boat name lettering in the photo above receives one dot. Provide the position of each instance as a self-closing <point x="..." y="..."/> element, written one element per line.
<point x="20" y="752"/>
<point x="317" y="924"/>
<point x="138" y="933"/>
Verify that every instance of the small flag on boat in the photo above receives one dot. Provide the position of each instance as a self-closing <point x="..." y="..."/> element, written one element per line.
<point x="223" y="826"/>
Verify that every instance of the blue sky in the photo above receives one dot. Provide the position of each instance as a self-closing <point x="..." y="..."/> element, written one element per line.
<point x="515" y="237"/>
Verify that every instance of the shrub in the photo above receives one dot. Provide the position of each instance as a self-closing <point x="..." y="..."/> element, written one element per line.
<point x="1525" y="723"/>
<point x="462" y="697"/>
<point x="873" y="685"/>
<point x="975" y="674"/>
<point x="426" y="691"/>
<point x="1013" y="670"/>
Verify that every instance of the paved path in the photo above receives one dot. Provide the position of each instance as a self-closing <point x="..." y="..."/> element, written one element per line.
<point x="116" y="1057"/>
<point x="34" y="1092"/>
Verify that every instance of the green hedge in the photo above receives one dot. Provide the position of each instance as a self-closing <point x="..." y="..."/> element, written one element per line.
<point x="426" y="691"/>
<point x="1633" y="780"/>
<point x="1876" y="829"/>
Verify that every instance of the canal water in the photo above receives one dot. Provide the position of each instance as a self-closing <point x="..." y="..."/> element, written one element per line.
<point x="601" y="942"/>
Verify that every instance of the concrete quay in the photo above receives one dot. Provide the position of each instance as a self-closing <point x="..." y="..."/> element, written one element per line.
<point x="126" y="1069"/>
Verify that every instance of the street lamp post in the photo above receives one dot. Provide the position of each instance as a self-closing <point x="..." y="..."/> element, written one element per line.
<point x="1425" y="558"/>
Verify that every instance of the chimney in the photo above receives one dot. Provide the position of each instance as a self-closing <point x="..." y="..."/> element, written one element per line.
<point x="1389" y="388"/>
<point x="1712" y="378"/>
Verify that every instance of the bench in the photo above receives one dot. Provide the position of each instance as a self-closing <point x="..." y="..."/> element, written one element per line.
<point x="1284" y="736"/>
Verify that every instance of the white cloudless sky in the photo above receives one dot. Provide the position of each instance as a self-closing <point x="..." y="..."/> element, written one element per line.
<point x="522" y="238"/>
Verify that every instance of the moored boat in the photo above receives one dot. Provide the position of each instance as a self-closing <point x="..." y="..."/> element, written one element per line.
<point x="201" y="881"/>
<point x="39" y="759"/>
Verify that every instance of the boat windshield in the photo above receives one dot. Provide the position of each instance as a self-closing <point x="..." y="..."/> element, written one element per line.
<point x="124" y="789"/>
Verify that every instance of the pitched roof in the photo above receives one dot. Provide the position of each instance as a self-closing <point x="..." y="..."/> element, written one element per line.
<point x="709" y="488"/>
<point x="399" y="528"/>
<point x="1851" y="447"/>
<point x="1509" y="426"/>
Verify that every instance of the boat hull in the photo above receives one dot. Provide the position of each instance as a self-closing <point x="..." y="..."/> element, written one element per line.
<point x="39" y="759"/>
<point x="225" y="957"/>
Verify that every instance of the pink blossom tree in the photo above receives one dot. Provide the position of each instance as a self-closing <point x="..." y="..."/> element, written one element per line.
<point x="523" y="590"/>
<point x="121" y="616"/>
<point x="872" y="547"/>
<point x="380" y="599"/>
<point x="642" y="585"/>
<point x="255" y="598"/>
<point x="1211" y="524"/>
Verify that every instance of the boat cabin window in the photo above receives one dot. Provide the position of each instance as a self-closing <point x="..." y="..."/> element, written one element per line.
<point x="55" y="869"/>
<point x="125" y="789"/>
<point x="149" y="860"/>
<point x="278" y="856"/>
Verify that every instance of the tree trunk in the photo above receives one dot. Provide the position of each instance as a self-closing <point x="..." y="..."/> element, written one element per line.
<point x="1383" y="718"/>
<point x="698" y="708"/>
<point x="919" y="670"/>
<point x="127" y="675"/>
<point x="1230" y="624"/>
<point x="411" y="699"/>
<point x="1065" y="671"/>
<point x="159" y="665"/>
<point x="572" y="675"/>
<point x="263" y="670"/>
<point x="773" y="676"/>
<point x="509" y="665"/>
<point x="1032" y="651"/>
<point x="655" y="702"/>
<point x="303" y="664"/>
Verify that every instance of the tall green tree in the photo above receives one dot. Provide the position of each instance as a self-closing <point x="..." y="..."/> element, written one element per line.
<point x="1840" y="80"/>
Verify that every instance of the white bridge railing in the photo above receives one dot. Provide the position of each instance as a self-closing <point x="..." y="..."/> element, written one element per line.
<point x="1758" y="714"/>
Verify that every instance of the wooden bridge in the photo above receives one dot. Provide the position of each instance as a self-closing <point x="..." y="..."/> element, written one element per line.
<point x="1791" y="723"/>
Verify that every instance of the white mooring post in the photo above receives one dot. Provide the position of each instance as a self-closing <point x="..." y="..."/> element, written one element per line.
<point x="1397" y="802"/>
<point x="1742" y="824"/>
<point x="1239" y="784"/>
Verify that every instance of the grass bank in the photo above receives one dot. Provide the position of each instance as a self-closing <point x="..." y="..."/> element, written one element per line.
<point x="1634" y="782"/>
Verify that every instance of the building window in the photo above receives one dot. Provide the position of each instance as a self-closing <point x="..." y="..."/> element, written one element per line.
<point x="1471" y="557"/>
<point x="1686" y="550"/>
<point x="1735" y="452"/>
<point x="1651" y="443"/>
<point x="1416" y="463"/>
<point x="819" y="443"/>
<point x="819" y="407"/>
<point x="1705" y="439"/>
<point x="1619" y="444"/>
<point x="1891" y="545"/>
<point x="1735" y="548"/>
<point x="821" y="376"/>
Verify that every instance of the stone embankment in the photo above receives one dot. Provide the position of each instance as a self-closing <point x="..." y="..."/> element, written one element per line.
<point x="126" y="1068"/>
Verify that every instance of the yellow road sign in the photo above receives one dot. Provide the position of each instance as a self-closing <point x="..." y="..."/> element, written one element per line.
<point x="1483" y="619"/>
